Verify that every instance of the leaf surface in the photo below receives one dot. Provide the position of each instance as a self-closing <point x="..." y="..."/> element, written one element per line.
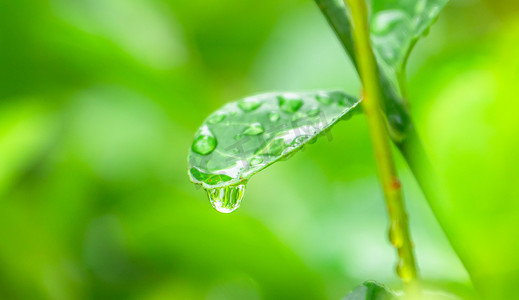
<point x="396" y="25"/>
<point x="246" y="136"/>
<point x="370" y="290"/>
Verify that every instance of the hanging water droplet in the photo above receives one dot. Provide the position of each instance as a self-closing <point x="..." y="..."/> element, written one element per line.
<point x="313" y="112"/>
<point x="396" y="234"/>
<point x="248" y="105"/>
<point x="289" y="104"/>
<point x="403" y="271"/>
<point x="254" y="129"/>
<point x="204" y="143"/>
<point x="256" y="160"/>
<point x="226" y="199"/>
<point x="274" y="116"/>
<point x="323" y="99"/>
<point x="216" y="118"/>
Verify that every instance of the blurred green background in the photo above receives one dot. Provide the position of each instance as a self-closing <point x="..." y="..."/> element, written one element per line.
<point x="99" y="101"/>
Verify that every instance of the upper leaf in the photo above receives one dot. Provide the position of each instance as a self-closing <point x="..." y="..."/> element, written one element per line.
<point x="370" y="290"/>
<point x="396" y="25"/>
<point x="248" y="135"/>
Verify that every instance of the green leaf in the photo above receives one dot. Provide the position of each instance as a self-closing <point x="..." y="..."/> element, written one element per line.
<point x="370" y="290"/>
<point x="397" y="25"/>
<point x="248" y="135"/>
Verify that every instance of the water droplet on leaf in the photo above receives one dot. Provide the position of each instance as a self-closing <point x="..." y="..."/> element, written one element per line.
<point x="298" y="141"/>
<point x="256" y="161"/>
<point x="313" y="112"/>
<point x="274" y="116"/>
<point x="254" y="129"/>
<point x="288" y="104"/>
<point x="297" y="116"/>
<point x="216" y="118"/>
<point x="248" y="105"/>
<point x="226" y="199"/>
<point x="272" y="148"/>
<point x="204" y="143"/>
<point x="323" y="99"/>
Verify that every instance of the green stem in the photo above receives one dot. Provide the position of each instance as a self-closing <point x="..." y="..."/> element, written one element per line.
<point x="403" y="132"/>
<point x="371" y="104"/>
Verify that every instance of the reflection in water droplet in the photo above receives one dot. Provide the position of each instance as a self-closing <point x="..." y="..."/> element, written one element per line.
<point x="323" y="99"/>
<point x="248" y="105"/>
<point x="289" y="103"/>
<point x="254" y="129"/>
<point x="313" y="112"/>
<point x="204" y="143"/>
<point x="256" y="160"/>
<point x="274" y="116"/>
<point x="216" y="118"/>
<point x="226" y="199"/>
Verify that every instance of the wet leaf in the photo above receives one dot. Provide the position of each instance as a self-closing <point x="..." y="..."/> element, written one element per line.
<point x="246" y="136"/>
<point x="397" y="25"/>
<point x="370" y="290"/>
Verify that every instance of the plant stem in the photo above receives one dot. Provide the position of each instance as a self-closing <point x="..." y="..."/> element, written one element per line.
<point x="371" y="104"/>
<point x="404" y="134"/>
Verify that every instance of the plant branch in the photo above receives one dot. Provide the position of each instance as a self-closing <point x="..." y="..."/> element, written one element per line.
<point x="371" y="104"/>
<point x="399" y="122"/>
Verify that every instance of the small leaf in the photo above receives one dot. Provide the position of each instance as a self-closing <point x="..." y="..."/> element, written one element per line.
<point x="397" y="25"/>
<point x="246" y="136"/>
<point x="370" y="290"/>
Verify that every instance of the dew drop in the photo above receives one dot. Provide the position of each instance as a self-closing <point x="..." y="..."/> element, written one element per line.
<point x="254" y="129"/>
<point x="395" y="235"/>
<point x="313" y="112"/>
<point x="288" y="104"/>
<point x="298" y="141"/>
<point x="216" y="118"/>
<point x="256" y="160"/>
<point x="403" y="271"/>
<point x="274" y="116"/>
<point x="272" y="148"/>
<point x="324" y="99"/>
<point x="226" y="199"/>
<point x="346" y="101"/>
<point x="248" y="105"/>
<point x="204" y="143"/>
<point x="297" y="116"/>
